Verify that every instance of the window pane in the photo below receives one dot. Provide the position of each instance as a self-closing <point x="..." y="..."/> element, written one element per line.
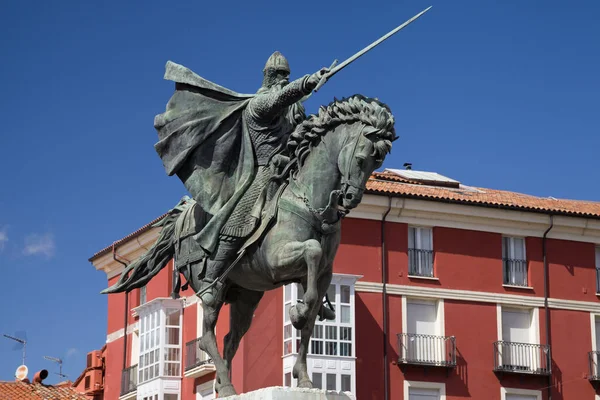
<point x="171" y="354"/>
<point x="346" y="349"/>
<point x="156" y="369"/>
<point x="331" y="382"/>
<point x="287" y="332"/>
<point x="287" y="293"/>
<point x="519" y="248"/>
<point x="156" y="354"/>
<point x="346" y="383"/>
<point x="318" y="332"/>
<point x="411" y="238"/>
<point x="345" y="294"/>
<point x="345" y="314"/>
<point x="288" y="379"/>
<point x="286" y="314"/>
<point x="331" y="348"/>
<point x="331" y="332"/>
<point x="426" y="239"/>
<point x="300" y="290"/>
<point x="287" y="347"/>
<point x="331" y="293"/>
<point x="316" y="347"/>
<point x="345" y="333"/>
<point x="172" y="336"/>
<point x="172" y="317"/>
<point x="170" y="396"/>
<point x="317" y="380"/>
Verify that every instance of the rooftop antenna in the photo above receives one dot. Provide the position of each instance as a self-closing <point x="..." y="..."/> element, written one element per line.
<point x="21" y="341"/>
<point x="59" y="362"/>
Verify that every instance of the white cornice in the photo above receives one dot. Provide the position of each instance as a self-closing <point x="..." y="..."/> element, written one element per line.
<point x="126" y="252"/>
<point x="480" y="297"/>
<point x="460" y="216"/>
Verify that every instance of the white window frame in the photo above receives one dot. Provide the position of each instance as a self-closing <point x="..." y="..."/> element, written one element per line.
<point x="418" y="245"/>
<point x="440" y="321"/>
<point x="161" y="384"/>
<point x="523" y="392"/>
<point x="321" y="363"/>
<point x="512" y="257"/>
<point x="534" y="334"/>
<point x="424" y="385"/>
<point x="595" y="333"/>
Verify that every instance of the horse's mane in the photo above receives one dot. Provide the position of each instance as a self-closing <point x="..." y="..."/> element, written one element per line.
<point x="356" y="108"/>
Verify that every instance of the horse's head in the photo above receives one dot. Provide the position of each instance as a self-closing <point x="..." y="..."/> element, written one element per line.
<point x="364" y="132"/>
<point x="369" y="134"/>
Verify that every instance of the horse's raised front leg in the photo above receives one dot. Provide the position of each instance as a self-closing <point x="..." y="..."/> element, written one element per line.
<point x="242" y="311"/>
<point x="208" y="343"/>
<point x="300" y="371"/>
<point x="292" y="253"/>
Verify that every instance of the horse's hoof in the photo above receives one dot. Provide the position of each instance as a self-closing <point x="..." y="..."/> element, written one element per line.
<point x="298" y="315"/>
<point x="305" y="383"/>
<point x="226" y="391"/>
<point x="327" y="313"/>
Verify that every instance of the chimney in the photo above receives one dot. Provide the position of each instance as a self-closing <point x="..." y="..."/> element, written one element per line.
<point x="407" y="165"/>
<point x="40" y="376"/>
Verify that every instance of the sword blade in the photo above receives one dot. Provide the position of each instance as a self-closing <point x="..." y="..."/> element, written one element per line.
<point x="368" y="48"/>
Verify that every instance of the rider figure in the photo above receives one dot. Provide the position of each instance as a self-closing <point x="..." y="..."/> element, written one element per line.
<point x="270" y="117"/>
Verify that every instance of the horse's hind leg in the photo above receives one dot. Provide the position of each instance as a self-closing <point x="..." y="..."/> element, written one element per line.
<point x="242" y="311"/>
<point x="208" y="343"/>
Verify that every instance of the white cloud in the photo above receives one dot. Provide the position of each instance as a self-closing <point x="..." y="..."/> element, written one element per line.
<point x="72" y="352"/>
<point x="3" y="238"/>
<point x="39" y="244"/>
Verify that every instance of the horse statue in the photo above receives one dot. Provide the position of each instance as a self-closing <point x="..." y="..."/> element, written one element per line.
<point x="330" y="157"/>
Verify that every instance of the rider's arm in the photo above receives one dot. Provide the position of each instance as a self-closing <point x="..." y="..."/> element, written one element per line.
<point x="267" y="106"/>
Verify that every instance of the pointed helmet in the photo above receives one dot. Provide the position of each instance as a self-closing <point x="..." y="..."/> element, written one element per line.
<point x="277" y="62"/>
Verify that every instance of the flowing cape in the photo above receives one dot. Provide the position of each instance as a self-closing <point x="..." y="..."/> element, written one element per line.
<point x="203" y="124"/>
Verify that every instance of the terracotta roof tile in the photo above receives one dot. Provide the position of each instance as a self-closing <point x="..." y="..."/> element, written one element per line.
<point x="388" y="183"/>
<point x="381" y="183"/>
<point x="37" y="391"/>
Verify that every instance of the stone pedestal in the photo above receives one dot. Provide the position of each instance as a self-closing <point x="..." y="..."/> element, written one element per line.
<point x="287" y="393"/>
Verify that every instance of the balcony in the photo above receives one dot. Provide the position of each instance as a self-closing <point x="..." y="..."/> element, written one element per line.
<point x="522" y="358"/>
<point x="129" y="382"/>
<point x="594" y="374"/>
<point x="420" y="263"/>
<point x="427" y="350"/>
<point x="197" y="362"/>
<point x="515" y="272"/>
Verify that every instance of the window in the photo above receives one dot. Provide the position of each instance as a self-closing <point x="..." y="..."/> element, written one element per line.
<point x="518" y="348"/>
<point x="424" y="390"/>
<point x="514" y="261"/>
<point x="520" y="394"/>
<point x="143" y="295"/>
<point x="420" y="252"/>
<point x="331" y="352"/>
<point x="422" y="340"/>
<point x="159" y="348"/>
<point x="598" y="270"/>
<point x="594" y="355"/>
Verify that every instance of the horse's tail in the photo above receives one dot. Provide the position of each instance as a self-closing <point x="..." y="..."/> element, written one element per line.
<point x="142" y="270"/>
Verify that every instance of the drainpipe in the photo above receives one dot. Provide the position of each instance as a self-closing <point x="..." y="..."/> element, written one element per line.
<point x="125" y="313"/>
<point x="386" y="385"/>
<point x="546" y="309"/>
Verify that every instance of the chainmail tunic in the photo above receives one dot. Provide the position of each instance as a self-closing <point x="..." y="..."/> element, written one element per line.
<point x="269" y="129"/>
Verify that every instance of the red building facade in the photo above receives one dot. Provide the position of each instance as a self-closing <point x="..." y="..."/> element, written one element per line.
<point x="441" y="290"/>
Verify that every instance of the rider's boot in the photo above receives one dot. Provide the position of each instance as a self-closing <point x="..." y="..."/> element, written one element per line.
<point x="215" y="267"/>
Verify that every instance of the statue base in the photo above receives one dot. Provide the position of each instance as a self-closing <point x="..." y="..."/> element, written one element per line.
<point x="288" y="393"/>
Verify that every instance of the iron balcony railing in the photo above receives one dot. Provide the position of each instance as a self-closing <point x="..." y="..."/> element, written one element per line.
<point x="420" y="262"/>
<point x="194" y="357"/>
<point x="594" y="357"/>
<point x="427" y="349"/>
<point x="515" y="272"/>
<point x="129" y="380"/>
<point x="524" y="358"/>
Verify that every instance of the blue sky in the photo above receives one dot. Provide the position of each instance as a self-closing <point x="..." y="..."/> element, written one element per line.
<point x="495" y="94"/>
